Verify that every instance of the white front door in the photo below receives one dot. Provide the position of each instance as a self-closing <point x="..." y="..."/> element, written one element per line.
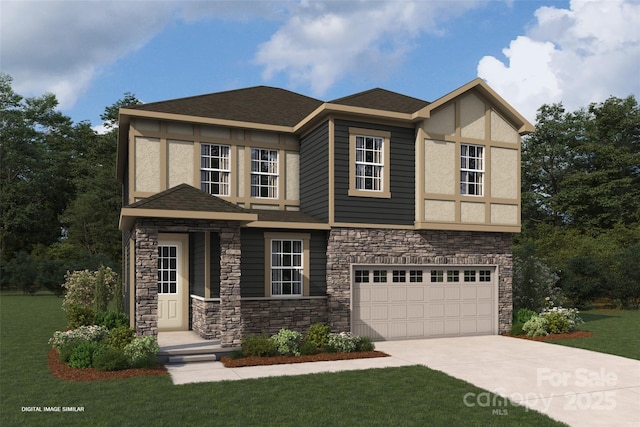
<point x="172" y="283"/>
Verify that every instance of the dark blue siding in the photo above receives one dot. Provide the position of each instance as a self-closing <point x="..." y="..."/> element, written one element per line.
<point x="252" y="279"/>
<point x="400" y="208"/>
<point x="314" y="173"/>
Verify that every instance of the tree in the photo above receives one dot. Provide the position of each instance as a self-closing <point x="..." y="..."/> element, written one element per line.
<point x="92" y="217"/>
<point x="35" y="184"/>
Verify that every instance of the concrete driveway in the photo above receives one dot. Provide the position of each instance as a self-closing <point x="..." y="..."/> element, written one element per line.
<point x="578" y="387"/>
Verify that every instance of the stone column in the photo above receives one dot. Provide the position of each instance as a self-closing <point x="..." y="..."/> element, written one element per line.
<point x="146" y="281"/>
<point x="230" y="308"/>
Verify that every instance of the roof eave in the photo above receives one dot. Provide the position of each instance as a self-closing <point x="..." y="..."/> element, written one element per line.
<point x="129" y="215"/>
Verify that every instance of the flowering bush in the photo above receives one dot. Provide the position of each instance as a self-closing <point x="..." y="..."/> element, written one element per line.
<point x="92" y="333"/>
<point x="142" y="351"/>
<point x="344" y="342"/>
<point x="287" y="342"/>
<point x="536" y="326"/>
<point x="82" y="288"/>
<point x="553" y="320"/>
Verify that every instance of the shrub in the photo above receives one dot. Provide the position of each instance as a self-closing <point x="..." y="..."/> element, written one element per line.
<point x="80" y="315"/>
<point x="533" y="280"/>
<point x="307" y="348"/>
<point x="365" y="344"/>
<point x="92" y="333"/>
<point x="344" y="342"/>
<point x="258" y="345"/>
<point x="287" y="342"/>
<point x="119" y="337"/>
<point x="142" y="352"/>
<point x="66" y="349"/>
<point x="318" y="334"/>
<point x="110" y="359"/>
<point x="523" y="314"/>
<point x="516" y="329"/>
<point x="562" y="320"/>
<point x="81" y="288"/>
<point x="556" y="323"/>
<point x="536" y="326"/>
<point x="82" y="355"/>
<point x="112" y="319"/>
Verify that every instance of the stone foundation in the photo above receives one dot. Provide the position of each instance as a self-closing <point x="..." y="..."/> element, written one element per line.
<point x="269" y="315"/>
<point x="205" y="318"/>
<point x="347" y="246"/>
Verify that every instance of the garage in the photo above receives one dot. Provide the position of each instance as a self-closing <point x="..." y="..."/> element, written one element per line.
<point x="410" y="302"/>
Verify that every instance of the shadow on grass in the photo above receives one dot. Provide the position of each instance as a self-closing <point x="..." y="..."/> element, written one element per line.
<point x="592" y="317"/>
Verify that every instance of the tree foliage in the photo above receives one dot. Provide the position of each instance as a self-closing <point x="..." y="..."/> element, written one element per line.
<point x="581" y="196"/>
<point x="59" y="197"/>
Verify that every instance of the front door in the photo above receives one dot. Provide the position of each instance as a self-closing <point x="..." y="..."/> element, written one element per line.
<point x="172" y="283"/>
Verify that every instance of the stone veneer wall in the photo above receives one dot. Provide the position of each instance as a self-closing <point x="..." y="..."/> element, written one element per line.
<point x="146" y="232"/>
<point x="146" y="280"/>
<point x="205" y="318"/>
<point x="269" y="315"/>
<point x="347" y="246"/>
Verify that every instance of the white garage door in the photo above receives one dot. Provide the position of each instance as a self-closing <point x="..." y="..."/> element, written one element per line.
<point x="404" y="302"/>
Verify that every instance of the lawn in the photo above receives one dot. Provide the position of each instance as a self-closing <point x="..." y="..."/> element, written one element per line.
<point x="395" y="396"/>
<point x="614" y="332"/>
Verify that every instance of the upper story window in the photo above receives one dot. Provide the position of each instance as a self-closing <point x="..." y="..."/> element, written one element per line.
<point x="264" y="173"/>
<point x="215" y="169"/>
<point x="472" y="170"/>
<point x="369" y="163"/>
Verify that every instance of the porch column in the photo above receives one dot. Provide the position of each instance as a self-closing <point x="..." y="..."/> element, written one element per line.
<point x="146" y="281"/>
<point x="230" y="316"/>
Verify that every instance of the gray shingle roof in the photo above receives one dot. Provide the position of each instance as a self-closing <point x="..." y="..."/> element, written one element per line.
<point x="382" y="99"/>
<point x="259" y="104"/>
<point x="184" y="197"/>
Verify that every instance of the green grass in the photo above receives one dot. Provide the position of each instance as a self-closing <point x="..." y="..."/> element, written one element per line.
<point x="397" y="396"/>
<point x="614" y="332"/>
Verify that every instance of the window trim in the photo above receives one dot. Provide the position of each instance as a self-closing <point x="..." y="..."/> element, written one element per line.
<point x="305" y="238"/>
<point x="480" y="171"/>
<point x="385" y="192"/>
<point x="259" y="174"/>
<point x="219" y="170"/>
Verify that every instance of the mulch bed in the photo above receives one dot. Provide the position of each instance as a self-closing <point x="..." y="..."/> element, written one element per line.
<point x="230" y="362"/>
<point x="60" y="370"/>
<point x="553" y="337"/>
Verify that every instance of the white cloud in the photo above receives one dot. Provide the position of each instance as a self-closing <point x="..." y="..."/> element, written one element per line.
<point x="322" y="42"/>
<point x="575" y="56"/>
<point x="59" y="46"/>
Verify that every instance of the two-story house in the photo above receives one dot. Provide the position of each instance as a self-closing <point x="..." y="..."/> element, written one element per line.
<point x="257" y="209"/>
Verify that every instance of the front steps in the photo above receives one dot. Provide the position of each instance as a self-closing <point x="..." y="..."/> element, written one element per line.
<point x="188" y="347"/>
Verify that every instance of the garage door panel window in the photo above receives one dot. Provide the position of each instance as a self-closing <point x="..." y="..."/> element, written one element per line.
<point x="437" y="276"/>
<point x="379" y="276"/>
<point x="415" y="276"/>
<point x="399" y="276"/>
<point x="485" y="275"/>
<point x="453" y="276"/>
<point x="362" y="276"/>
<point x="469" y="275"/>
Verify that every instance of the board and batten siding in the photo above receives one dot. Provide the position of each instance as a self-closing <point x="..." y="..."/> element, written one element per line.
<point x="314" y="173"/>
<point x="400" y="208"/>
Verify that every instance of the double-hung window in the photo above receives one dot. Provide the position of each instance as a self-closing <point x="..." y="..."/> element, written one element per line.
<point x="264" y="173"/>
<point x="215" y="169"/>
<point x="287" y="267"/>
<point x="369" y="163"/>
<point x="471" y="170"/>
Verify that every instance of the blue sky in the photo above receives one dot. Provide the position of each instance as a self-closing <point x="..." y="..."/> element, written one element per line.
<point x="89" y="53"/>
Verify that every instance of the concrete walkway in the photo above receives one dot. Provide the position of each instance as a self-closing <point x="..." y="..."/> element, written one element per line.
<point x="578" y="387"/>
